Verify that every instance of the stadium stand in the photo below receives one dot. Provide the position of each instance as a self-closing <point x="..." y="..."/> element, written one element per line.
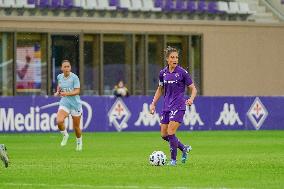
<point x="252" y="10"/>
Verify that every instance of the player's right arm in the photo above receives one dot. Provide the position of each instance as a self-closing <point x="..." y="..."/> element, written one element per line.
<point x="58" y="89"/>
<point x="158" y="93"/>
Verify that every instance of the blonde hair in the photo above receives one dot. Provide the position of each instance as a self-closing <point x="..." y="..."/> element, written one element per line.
<point x="169" y="50"/>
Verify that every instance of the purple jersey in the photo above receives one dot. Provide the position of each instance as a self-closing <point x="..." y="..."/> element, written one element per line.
<point x="174" y="87"/>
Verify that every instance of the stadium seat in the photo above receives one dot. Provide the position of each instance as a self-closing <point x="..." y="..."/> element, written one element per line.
<point x="19" y="3"/>
<point x="104" y="5"/>
<point x="8" y="3"/>
<point x="244" y="8"/>
<point x="56" y="4"/>
<point x="180" y="6"/>
<point x="136" y="5"/>
<point x="233" y="8"/>
<point x="113" y="3"/>
<point x="158" y="3"/>
<point x="201" y="6"/>
<point x="44" y="4"/>
<point x="149" y="5"/>
<point x="24" y="4"/>
<point x="223" y="7"/>
<point x="90" y="4"/>
<point x="169" y="6"/>
<point x="31" y="4"/>
<point x="79" y="3"/>
<point x="68" y="4"/>
<point x="124" y="5"/>
<point x="212" y="7"/>
<point x="191" y="6"/>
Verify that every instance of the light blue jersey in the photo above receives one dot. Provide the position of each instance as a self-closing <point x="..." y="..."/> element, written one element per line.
<point x="68" y="84"/>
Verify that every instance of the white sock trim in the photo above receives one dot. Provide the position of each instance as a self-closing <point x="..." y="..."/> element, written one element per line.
<point x="79" y="140"/>
<point x="64" y="132"/>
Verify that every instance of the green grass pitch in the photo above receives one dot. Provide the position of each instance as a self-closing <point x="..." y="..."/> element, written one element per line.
<point x="219" y="160"/>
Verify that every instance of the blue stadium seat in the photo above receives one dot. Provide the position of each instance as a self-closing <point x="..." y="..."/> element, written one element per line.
<point x="212" y="7"/>
<point x="180" y="6"/>
<point x="169" y="6"/>
<point x="55" y="4"/>
<point x="44" y="4"/>
<point x="31" y="2"/>
<point x="191" y="6"/>
<point x="68" y="4"/>
<point x="158" y="3"/>
<point x="201" y="6"/>
<point x="113" y="3"/>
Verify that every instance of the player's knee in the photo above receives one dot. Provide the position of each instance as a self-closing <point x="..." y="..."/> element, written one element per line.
<point x="171" y="131"/>
<point x="60" y="121"/>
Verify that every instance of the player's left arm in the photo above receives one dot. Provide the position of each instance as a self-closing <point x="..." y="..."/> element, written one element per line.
<point x="191" y="87"/>
<point x="193" y="92"/>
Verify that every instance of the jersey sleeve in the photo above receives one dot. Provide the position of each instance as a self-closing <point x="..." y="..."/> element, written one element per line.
<point x="76" y="82"/>
<point x="187" y="78"/>
<point x="161" y="79"/>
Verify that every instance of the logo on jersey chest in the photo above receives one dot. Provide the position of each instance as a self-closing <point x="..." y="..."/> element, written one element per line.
<point x="171" y="79"/>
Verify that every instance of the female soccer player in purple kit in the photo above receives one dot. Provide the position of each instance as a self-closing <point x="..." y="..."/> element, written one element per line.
<point x="172" y="82"/>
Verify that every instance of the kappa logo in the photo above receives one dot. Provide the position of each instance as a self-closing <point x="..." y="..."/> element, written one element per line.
<point x="229" y="116"/>
<point x="119" y="115"/>
<point x="191" y="117"/>
<point x="257" y="113"/>
<point x="147" y="119"/>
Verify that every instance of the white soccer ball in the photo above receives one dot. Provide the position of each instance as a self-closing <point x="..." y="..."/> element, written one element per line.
<point x="158" y="158"/>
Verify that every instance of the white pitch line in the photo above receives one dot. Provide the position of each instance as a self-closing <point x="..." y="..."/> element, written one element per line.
<point x="102" y="186"/>
<point x="69" y="185"/>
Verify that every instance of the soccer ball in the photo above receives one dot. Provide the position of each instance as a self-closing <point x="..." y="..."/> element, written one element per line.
<point x="158" y="158"/>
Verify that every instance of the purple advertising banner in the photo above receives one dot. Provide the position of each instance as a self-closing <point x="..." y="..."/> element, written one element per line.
<point x="38" y="114"/>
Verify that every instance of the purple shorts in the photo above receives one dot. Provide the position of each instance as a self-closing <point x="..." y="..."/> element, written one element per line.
<point x="176" y="116"/>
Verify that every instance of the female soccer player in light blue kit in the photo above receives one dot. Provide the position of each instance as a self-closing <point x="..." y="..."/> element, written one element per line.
<point x="69" y="89"/>
<point x="172" y="82"/>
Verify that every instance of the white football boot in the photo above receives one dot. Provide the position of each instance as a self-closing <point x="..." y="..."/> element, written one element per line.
<point x="64" y="140"/>
<point x="79" y="146"/>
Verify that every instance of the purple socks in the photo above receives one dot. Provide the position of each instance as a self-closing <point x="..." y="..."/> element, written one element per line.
<point x="173" y="145"/>
<point x="180" y="145"/>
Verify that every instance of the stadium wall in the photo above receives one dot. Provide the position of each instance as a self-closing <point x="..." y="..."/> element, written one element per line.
<point x="239" y="58"/>
<point x="109" y="114"/>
